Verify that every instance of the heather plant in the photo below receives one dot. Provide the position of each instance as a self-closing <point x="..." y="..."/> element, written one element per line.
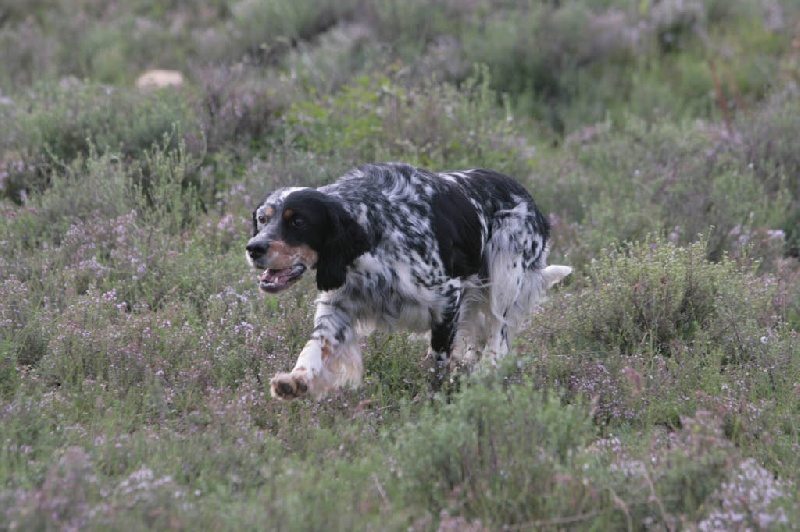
<point x="411" y="26"/>
<point x="456" y="128"/>
<point x="235" y="106"/>
<point x="631" y="180"/>
<point x="163" y="189"/>
<point x="24" y="334"/>
<point x="335" y="58"/>
<point x="752" y="498"/>
<point x="27" y="52"/>
<point x="658" y="297"/>
<point x="85" y="40"/>
<point x="265" y="30"/>
<point x="669" y="481"/>
<point x="536" y="54"/>
<point x="768" y="145"/>
<point x="97" y="187"/>
<point x="567" y="63"/>
<point x="18" y="10"/>
<point x="77" y="121"/>
<point x="660" y="331"/>
<point x="517" y="439"/>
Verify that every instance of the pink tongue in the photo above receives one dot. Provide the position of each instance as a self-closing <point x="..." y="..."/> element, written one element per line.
<point x="271" y="276"/>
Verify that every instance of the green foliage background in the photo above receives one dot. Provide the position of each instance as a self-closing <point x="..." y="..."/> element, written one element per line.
<point x="658" y="389"/>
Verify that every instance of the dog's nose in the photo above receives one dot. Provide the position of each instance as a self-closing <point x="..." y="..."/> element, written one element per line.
<point x="257" y="248"/>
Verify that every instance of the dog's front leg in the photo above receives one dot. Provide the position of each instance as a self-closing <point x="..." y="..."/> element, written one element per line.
<point x="307" y="377"/>
<point x="330" y="358"/>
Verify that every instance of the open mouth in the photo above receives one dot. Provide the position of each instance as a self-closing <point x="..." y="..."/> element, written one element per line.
<point x="272" y="281"/>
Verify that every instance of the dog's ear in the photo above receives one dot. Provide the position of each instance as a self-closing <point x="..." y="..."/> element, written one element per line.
<point x="346" y="241"/>
<point x="255" y="224"/>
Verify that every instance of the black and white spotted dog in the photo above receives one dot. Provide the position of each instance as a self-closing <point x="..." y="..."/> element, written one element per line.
<point x="459" y="254"/>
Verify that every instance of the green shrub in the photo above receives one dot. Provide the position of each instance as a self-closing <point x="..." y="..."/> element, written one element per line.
<point x="161" y="189"/>
<point x="46" y="41"/>
<point x="394" y="368"/>
<point x="410" y="26"/>
<point x="265" y="30"/>
<point x="237" y="107"/>
<point x="671" y="479"/>
<point x="96" y="186"/>
<point x="8" y="370"/>
<point x="658" y="297"/>
<point x="24" y="334"/>
<point x="27" y="53"/>
<point x="657" y="332"/>
<point x="434" y="125"/>
<point x="676" y="180"/>
<point x="571" y="64"/>
<point x="15" y="11"/>
<point x="73" y="122"/>
<point x="495" y="455"/>
<point x="333" y="60"/>
<point x="771" y="146"/>
<point x="563" y="63"/>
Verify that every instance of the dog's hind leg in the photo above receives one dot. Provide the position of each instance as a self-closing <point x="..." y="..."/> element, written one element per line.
<point x="443" y="333"/>
<point x="519" y="291"/>
<point x="518" y="278"/>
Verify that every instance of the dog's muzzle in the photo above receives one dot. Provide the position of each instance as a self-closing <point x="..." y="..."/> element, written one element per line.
<point x="272" y="280"/>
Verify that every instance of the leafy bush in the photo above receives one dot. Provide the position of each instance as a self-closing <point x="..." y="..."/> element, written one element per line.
<point x="672" y="481"/>
<point x="771" y="146"/>
<point x="659" y="331"/>
<point x="572" y="64"/>
<point x="161" y="190"/>
<point x="537" y="53"/>
<point x="377" y="120"/>
<point x="236" y="106"/>
<point x="335" y="58"/>
<point x="265" y="30"/>
<point x="675" y="180"/>
<point x="658" y="297"/>
<point x="496" y="455"/>
<point x="410" y="26"/>
<point x="24" y="331"/>
<point x="71" y="122"/>
<point x="87" y="40"/>
<point x="27" y="53"/>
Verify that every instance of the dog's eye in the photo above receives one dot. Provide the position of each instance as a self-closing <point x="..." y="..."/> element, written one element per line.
<point x="262" y="219"/>
<point x="298" y="222"/>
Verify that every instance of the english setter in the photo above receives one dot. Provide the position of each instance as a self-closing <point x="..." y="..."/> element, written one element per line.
<point x="459" y="254"/>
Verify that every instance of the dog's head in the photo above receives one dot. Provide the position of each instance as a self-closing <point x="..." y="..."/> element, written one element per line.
<point x="295" y="230"/>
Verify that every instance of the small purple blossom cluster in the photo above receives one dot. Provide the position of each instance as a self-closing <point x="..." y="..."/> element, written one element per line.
<point x="73" y="498"/>
<point x="749" y="500"/>
<point x="63" y="500"/>
<point x="98" y="251"/>
<point x="606" y="389"/>
<point x="239" y="325"/>
<point x="736" y="493"/>
<point x="236" y="411"/>
<point x="220" y="233"/>
<point x="95" y="337"/>
<point x="15" y="304"/>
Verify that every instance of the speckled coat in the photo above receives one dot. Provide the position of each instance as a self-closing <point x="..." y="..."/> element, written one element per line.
<point x="459" y="254"/>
